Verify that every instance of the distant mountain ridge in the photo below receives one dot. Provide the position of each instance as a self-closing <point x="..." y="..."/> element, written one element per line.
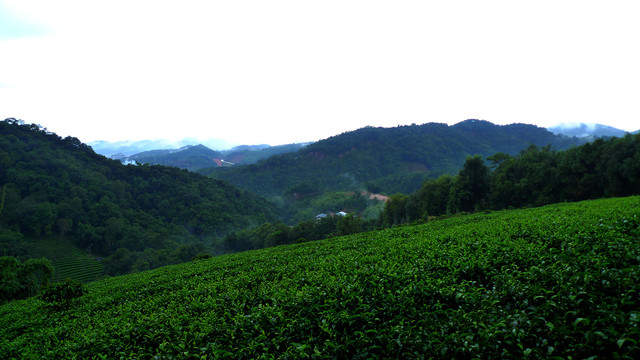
<point x="122" y="149"/>
<point x="190" y="157"/>
<point x="196" y="157"/>
<point x="590" y="130"/>
<point x="388" y="160"/>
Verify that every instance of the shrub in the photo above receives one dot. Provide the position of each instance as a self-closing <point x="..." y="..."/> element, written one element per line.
<point x="201" y="257"/>
<point x="61" y="294"/>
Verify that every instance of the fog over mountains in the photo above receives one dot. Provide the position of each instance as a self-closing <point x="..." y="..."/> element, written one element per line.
<point x="125" y="149"/>
<point x="586" y="130"/>
<point x="121" y="149"/>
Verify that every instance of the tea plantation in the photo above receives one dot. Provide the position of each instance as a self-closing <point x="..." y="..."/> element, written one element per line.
<point x="68" y="260"/>
<point x="560" y="281"/>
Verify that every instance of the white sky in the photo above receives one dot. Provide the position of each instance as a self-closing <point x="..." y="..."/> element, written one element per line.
<point x="289" y="71"/>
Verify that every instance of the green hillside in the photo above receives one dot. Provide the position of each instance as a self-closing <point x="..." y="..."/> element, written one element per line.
<point x="387" y="160"/>
<point x="149" y="215"/>
<point x="559" y="281"/>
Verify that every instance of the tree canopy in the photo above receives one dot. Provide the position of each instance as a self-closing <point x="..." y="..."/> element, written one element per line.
<point x="387" y="160"/>
<point x="53" y="186"/>
<point x="534" y="177"/>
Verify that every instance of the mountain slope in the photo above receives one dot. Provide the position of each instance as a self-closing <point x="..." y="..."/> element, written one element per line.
<point x="197" y="157"/>
<point x="246" y="154"/>
<point x="559" y="281"/>
<point x="389" y="159"/>
<point x="51" y="185"/>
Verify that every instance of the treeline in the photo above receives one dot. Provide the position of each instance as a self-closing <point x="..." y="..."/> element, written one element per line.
<point x="273" y="234"/>
<point x="534" y="177"/>
<point x="59" y="188"/>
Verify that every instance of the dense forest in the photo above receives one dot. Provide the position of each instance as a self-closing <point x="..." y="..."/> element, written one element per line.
<point x="387" y="160"/>
<point x="534" y="177"/>
<point x="134" y="217"/>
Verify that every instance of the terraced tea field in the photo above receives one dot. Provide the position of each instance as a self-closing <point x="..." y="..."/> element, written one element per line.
<point x="554" y="282"/>
<point x="67" y="259"/>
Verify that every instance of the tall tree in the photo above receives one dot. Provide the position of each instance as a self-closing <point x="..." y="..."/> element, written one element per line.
<point x="470" y="187"/>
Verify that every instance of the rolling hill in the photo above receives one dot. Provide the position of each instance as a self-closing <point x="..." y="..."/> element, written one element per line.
<point x="197" y="157"/>
<point x="149" y="215"/>
<point x="191" y="157"/>
<point x="386" y="160"/>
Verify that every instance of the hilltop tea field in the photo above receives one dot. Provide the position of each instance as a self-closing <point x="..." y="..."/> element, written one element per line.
<point x="560" y="281"/>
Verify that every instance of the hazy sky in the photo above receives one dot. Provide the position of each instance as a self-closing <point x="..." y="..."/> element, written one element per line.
<point x="290" y="71"/>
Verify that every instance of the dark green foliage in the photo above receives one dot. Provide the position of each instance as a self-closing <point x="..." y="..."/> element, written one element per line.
<point x="552" y="282"/>
<point x="349" y="224"/>
<point x="55" y="186"/>
<point x="470" y="189"/>
<point x="433" y="196"/>
<point x="10" y="242"/>
<point x="2" y="196"/>
<point x="60" y="295"/>
<point x="534" y="177"/>
<point x="303" y="206"/>
<point x="389" y="159"/>
<point x="530" y="179"/>
<point x="268" y="235"/>
<point x="20" y="280"/>
<point x="201" y="257"/>
<point x="395" y="210"/>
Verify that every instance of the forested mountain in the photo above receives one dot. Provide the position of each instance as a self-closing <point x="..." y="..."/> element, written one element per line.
<point x="196" y="157"/>
<point x="189" y="157"/>
<point x="534" y="177"/>
<point x="50" y="186"/>
<point x="385" y="160"/>
<point x="591" y="131"/>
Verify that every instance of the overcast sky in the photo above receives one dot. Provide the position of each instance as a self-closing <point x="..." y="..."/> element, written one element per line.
<point x="271" y="71"/>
